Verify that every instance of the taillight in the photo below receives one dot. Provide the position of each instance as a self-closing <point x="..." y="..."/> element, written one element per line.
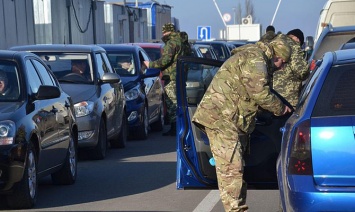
<point x="300" y="162"/>
<point x="312" y="66"/>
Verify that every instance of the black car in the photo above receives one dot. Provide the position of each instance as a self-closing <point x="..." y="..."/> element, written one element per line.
<point x="221" y="48"/>
<point x="38" y="131"/>
<point x="97" y="93"/>
<point x="143" y="88"/>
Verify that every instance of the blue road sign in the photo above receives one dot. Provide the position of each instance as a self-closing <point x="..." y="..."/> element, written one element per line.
<point x="204" y="32"/>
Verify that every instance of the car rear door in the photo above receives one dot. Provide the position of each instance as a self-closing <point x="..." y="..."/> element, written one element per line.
<point x="194" y="169"/>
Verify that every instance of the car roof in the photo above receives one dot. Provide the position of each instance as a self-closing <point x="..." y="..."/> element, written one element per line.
<point x="10" y="54"/>
<point x="59" y="48"/>
<point x="150" y="45"/>
<point x="122" y="47"/>
<point x="348" y="46"/>
<point x="344" y="56"/>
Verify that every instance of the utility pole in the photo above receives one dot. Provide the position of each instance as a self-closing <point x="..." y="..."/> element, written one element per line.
<point x="219" y="13"/>
<point x="277" y="8"/>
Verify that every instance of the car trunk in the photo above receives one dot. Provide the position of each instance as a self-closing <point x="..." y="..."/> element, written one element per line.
<point x="333" y="151"/>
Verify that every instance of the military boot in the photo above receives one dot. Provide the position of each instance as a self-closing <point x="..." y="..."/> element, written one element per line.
<point x="172" y="131"/>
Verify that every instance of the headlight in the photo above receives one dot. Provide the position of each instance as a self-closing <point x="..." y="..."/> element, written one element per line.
<point x="132" y="94"/>
<point x="7" y="132"/>
<point x="83" y="108"/>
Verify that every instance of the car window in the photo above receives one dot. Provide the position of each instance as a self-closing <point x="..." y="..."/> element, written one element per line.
<point x="69" y="67"/>
<point x="10" y="91"/>
<point x="153" y="53"/>
<point x="102" y="68"/>
<point x="307" y="88"/>
<point x="46" y="78"/>
<point x="336" y="97"/>
<point x="123" y="63"/>
<point x="33" y="78"/>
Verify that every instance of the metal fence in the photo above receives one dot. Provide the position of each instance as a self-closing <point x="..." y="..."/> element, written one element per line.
<point x="78" y="21"/>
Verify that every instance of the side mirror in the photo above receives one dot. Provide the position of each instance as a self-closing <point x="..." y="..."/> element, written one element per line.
<point x="309" y="44"/>
<point x="47" y="92"/>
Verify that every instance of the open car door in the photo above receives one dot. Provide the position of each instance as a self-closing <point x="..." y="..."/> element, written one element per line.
<point x="194" y="170"/>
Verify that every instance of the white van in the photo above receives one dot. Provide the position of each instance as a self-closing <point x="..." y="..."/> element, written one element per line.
<point x="337" y="13"/>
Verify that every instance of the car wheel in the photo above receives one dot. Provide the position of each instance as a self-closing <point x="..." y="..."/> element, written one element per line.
<point x="121" y="140"/>
<point x="67" y="174"/>
<point x="158" y="125"/>
<point x="99" y="152"/>
<point x="142" y="132"/>
<point x="25" y="192"/>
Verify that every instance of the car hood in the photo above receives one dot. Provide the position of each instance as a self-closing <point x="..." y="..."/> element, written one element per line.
<point x="7" y="109"/>
<point x="80" y="92"/>
<point x="130" y="82"/>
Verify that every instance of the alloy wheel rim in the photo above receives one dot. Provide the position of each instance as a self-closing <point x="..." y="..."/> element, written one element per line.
<point x="32" y="177"/>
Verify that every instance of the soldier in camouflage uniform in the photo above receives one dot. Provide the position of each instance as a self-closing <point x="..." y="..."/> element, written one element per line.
<point x="173" y="48"/>
<point x="288" y="80"/>
<point x="228" y="110"/>
<point x="269" y="34"/>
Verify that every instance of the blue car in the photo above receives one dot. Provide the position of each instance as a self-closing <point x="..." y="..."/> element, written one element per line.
<point x="143" y="88"/>
<point x="315" y="167"/>
<point x="194" y="158"/>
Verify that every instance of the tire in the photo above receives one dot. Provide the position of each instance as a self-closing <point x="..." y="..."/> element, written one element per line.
<point x="99" y="152"/>
<point x="25" y="192"/>
<point x="158" y="125"/>
<point x="67" y="174"/>
<point x="121" y="140"/>
<point x="142" y="132"/>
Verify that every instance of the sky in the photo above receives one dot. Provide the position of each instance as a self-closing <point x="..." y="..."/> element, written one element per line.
<point x="291" y="14"/>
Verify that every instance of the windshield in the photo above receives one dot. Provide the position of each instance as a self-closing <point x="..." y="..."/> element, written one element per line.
<point x="70" y="67"/>
<point x="123" y="63"/>
<point x="9" y="82"/>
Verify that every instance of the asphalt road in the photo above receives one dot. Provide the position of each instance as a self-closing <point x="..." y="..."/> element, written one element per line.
<point x="140" y="177"/>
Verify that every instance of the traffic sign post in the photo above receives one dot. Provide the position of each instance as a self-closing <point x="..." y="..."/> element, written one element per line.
<point x="204" y="32"/>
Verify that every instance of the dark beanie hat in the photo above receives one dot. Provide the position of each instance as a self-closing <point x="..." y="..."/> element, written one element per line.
<point x="298" y="33"/>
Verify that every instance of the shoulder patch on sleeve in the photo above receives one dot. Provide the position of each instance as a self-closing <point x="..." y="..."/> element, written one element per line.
<point x="260" y="67"/>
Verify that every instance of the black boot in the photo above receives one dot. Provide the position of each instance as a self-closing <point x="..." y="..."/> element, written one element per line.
<point x="172" y="131"/>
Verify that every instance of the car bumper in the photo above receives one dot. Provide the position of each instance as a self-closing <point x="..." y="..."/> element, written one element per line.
<point x="302" y="195"/>
<point x="12" y="163"/>
<point x="88" y="130"/>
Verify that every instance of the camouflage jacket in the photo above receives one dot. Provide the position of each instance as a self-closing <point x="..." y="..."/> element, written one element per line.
<point x="236" y="91"/>
<point x="288" y="80"/>
<point x="173" y="48"/>
<point x="268" y="36"/>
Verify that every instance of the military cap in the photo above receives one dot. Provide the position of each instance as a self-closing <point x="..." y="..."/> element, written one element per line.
<point x="169" y="27"/>
<point x="281" y="49"/>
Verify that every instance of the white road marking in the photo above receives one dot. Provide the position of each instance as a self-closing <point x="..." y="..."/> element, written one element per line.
<point x="208" y="203"/>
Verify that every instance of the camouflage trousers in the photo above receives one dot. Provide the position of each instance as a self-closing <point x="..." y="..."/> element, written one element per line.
<point x="170" y="100"/>
<point x="232" y="187"/>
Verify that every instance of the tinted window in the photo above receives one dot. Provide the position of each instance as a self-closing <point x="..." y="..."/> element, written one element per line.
<point x="46" y="78"/>
<point x="101" y="65"/>
<point x="337" y="94"/>
<point x="123" y="63"/>
<point x="33" y="78"/>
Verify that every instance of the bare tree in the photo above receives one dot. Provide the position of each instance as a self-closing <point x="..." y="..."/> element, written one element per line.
<point x="249" y="8"/>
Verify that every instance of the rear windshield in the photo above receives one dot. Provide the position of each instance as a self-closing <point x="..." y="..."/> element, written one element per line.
<point x="337" y="95"/>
